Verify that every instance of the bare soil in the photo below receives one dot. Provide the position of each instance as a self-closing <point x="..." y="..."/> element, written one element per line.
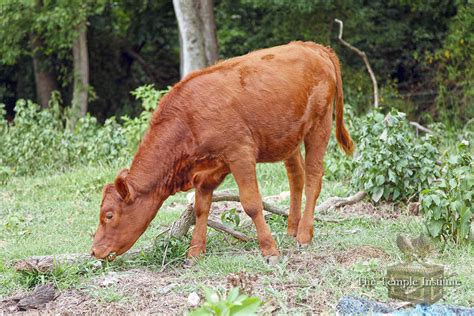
<point x="146" y="291"/>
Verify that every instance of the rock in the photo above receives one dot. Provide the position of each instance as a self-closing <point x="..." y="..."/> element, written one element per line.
<point x="193" y="299"/>
<point x="109" y="279"/>
<point x="41" y="295"/>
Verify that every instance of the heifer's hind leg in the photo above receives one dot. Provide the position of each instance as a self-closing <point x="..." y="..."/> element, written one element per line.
<point x="244" y="172"/>
<point x="315" y="145"/>
<point x="295" y="170"/>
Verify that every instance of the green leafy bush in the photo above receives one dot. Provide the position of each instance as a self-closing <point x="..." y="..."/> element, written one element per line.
<point x="447" y="204"/>
<point x="391" y="161"/>
<point x="337" y="166"/>
<point x="38" y="140"/>
<point x="234" y="304"/>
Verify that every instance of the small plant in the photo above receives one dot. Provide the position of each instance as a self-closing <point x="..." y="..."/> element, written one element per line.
<point x="392" y="162"/>
<point x="232" y="304"/>
<point x="231" y="217"/>
<point x="447" y="205"/>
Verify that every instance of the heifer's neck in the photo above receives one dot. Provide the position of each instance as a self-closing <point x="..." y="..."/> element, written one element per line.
<point x="163" y="163"/>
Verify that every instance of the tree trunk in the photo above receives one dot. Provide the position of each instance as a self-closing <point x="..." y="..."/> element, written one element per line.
<point x="209" y="31"/>
<point x="45" y="80"/>
<point x="197" y="31"/>
<point x="81" y="71"/>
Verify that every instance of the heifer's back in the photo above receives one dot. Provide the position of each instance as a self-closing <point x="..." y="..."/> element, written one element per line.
<point x="258" y="102"/>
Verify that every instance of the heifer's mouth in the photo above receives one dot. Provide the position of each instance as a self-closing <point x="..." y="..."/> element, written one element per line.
<point x="111" y="256"/>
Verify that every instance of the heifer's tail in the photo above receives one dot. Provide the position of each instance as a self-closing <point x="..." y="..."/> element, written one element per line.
<point x="342" y="135"/>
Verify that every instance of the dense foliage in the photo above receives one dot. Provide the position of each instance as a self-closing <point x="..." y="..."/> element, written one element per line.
<point x="41" y="139"/>
<point x="391" y="161"/>
<point x="447" y="204"/>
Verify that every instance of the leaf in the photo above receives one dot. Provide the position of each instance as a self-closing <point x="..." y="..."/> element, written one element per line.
<point x="436" y="199"/>
<point x="396" y="194"/>
<point x="380" y="180"/>
<point x="434" y="227"/>
<point x="233" y="294"/>
<point x="452" y="183"/>
<point x="377" y="194"/>
<point x="202" y="311"/>
<point x="248" y="307"/>
<point x="211" y="296"/>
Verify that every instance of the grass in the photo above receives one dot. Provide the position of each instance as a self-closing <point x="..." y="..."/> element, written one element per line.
<point x="56" y="213"/>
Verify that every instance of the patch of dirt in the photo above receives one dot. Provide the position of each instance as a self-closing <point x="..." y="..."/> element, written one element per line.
<point x="366" y="209"/>
<point x="299" y="285"/>
<point x="349" y="257"/>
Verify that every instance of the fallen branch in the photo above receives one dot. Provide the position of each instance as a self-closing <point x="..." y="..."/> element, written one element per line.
<point x="336" y="202"/>
<point x="364" y="58"/>
<point x="184" y="223"/>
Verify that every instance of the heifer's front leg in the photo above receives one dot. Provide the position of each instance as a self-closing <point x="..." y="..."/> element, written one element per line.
<point x="315" y="145"/>
<point x="245" y="175"/>
<point x="202" y="204"/>
<point x="295" y="171"/>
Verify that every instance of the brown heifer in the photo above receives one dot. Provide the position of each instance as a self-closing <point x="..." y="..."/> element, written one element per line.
<point x="225" y="119"/>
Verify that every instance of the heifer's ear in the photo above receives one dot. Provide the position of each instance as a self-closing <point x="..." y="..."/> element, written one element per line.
<point x="123" y="186"/>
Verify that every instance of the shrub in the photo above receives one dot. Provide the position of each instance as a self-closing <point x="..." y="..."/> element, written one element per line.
<point x="337" y="166"/>
<point x="37" y="140"/>
<point x="391" y="161"/>
<point x="40" y="139"/>
<point x="447" y="205"/>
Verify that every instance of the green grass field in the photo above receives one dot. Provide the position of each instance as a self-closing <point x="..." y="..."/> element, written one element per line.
<point x="56" y="213"/>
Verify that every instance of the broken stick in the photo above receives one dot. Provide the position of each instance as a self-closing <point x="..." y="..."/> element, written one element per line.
<point x="364" y="58"/>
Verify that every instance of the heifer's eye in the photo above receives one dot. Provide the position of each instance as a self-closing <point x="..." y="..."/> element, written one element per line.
<point x="109" y="215"/>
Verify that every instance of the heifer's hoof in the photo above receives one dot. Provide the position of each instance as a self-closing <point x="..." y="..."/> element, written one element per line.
<point x="301" y="246"/>
<point x="292" y="232"/>
<point x="189" y="262"/>
<point x="272" y="260"/>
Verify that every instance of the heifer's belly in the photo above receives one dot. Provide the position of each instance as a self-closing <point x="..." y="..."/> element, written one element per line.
<point x="278" y="124"/>
<point x="279" y="144"/>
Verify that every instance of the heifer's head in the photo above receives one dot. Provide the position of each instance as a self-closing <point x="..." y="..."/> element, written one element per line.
<point x="124" y="216"/>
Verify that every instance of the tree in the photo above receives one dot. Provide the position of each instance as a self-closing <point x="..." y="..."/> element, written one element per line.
<point x="81" y="70"/>
<point x="21" y="37"/>
<point x="45" y="80"/>
<point x="197" y="31"/>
